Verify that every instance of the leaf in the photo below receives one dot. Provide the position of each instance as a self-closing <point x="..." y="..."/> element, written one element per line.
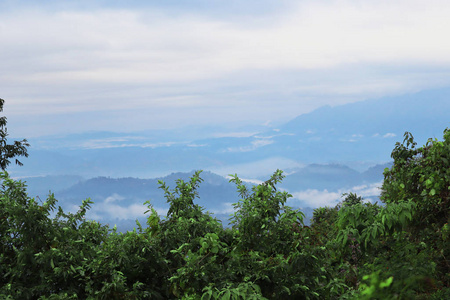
<point x="52" y="264"/>
<point x="374" y="232"/>
<point x="409" y="215"/>
<point x="207" y="295"/>
<point x="344" y="240"/>
<point x="387" y="282"/>
<point x="226" y="296"/>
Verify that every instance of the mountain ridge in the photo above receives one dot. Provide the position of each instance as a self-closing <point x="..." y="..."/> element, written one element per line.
<point x="361" y="133"/>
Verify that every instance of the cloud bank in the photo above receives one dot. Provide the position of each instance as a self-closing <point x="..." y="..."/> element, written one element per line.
<point x="316" y="198"/>
<point x="170" y="65"/>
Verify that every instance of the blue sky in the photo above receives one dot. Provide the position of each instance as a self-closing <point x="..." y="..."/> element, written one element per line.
<point x="68" y="67"/>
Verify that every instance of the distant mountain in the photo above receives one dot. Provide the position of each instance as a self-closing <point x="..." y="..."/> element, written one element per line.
<point x="323" y="185"/>
<point x="425" y="114"/>
<point x="361" y="131"/>
<point x="41" y="186"/>
<point x="120" y="200"/>
<point x="327" y="152"/>
<point x="360" y="134"/>
<point x="213" y="191"/>
<point x="331" y="177"/>
<point x="375" y="173"/>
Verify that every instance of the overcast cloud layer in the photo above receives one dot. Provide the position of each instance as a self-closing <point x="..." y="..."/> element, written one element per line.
<point x="144" y="66"/>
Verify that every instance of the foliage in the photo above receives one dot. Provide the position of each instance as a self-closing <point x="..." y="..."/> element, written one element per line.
<point x="375" y="288"/>
<point x="422" y="175"/>
<point x="9" y="151"/>
<point x="356" y="250"/>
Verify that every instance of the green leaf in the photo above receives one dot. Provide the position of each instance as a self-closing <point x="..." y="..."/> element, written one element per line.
<point x="207" y="295"/>
<point x="387" y="282"/>
<point x="226" y="296"/>
<point x="344" y="240"/>
<point x="374" y="232"/>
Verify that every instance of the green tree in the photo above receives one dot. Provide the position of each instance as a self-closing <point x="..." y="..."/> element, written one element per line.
<point x="9" y="151"/>
<point x="423" y="176"/>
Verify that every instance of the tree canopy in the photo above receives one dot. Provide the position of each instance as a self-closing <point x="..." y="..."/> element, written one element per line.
<point x="356" y="250"/>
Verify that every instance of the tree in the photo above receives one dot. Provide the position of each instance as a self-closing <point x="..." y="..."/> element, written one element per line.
<point x="9" y="151"/>
<point x="421" y="175"/>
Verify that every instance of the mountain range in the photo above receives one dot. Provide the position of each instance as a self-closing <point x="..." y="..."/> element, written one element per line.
<point x="120" y="200"/>
<point x="359" y="135"/>
<point x="324" y="153"/>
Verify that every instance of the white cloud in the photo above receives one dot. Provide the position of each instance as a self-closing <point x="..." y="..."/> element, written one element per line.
<point x="389" y="135"/>
<point x="370" y="190"/>
<point x="253" y="181"/>
<point x="124" y="212"/>
<point x="253" y="146"/>
<point x="227" y="208"/>
<point x="257" y="168"/>
<point x="112" y="143"/>
<point x="113" y="198"/>
<point x="197" y="145"/>
<point x="109" y="209"/>
<point x="235" y="134"/>
<point x="127" y="45"/>
<point x="272" y="136"/>
<point x="315" y="198"/>
<point x="197" y="67"/>
<point x="354" y="138"/>
<point x="267" y="123"/>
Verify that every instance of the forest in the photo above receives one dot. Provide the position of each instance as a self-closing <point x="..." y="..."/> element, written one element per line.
<point x="397" y="249"/>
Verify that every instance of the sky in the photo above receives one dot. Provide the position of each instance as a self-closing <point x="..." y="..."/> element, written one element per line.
<point x="126" y="66"/>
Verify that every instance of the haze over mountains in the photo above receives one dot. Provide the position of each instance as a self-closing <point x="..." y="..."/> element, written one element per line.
<point x="120" y="200"/>
<point x="359" y="135"/>
<point x="326" y="152"/>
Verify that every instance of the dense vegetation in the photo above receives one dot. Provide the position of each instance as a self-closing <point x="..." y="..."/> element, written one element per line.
<point x="396" y="250"/>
